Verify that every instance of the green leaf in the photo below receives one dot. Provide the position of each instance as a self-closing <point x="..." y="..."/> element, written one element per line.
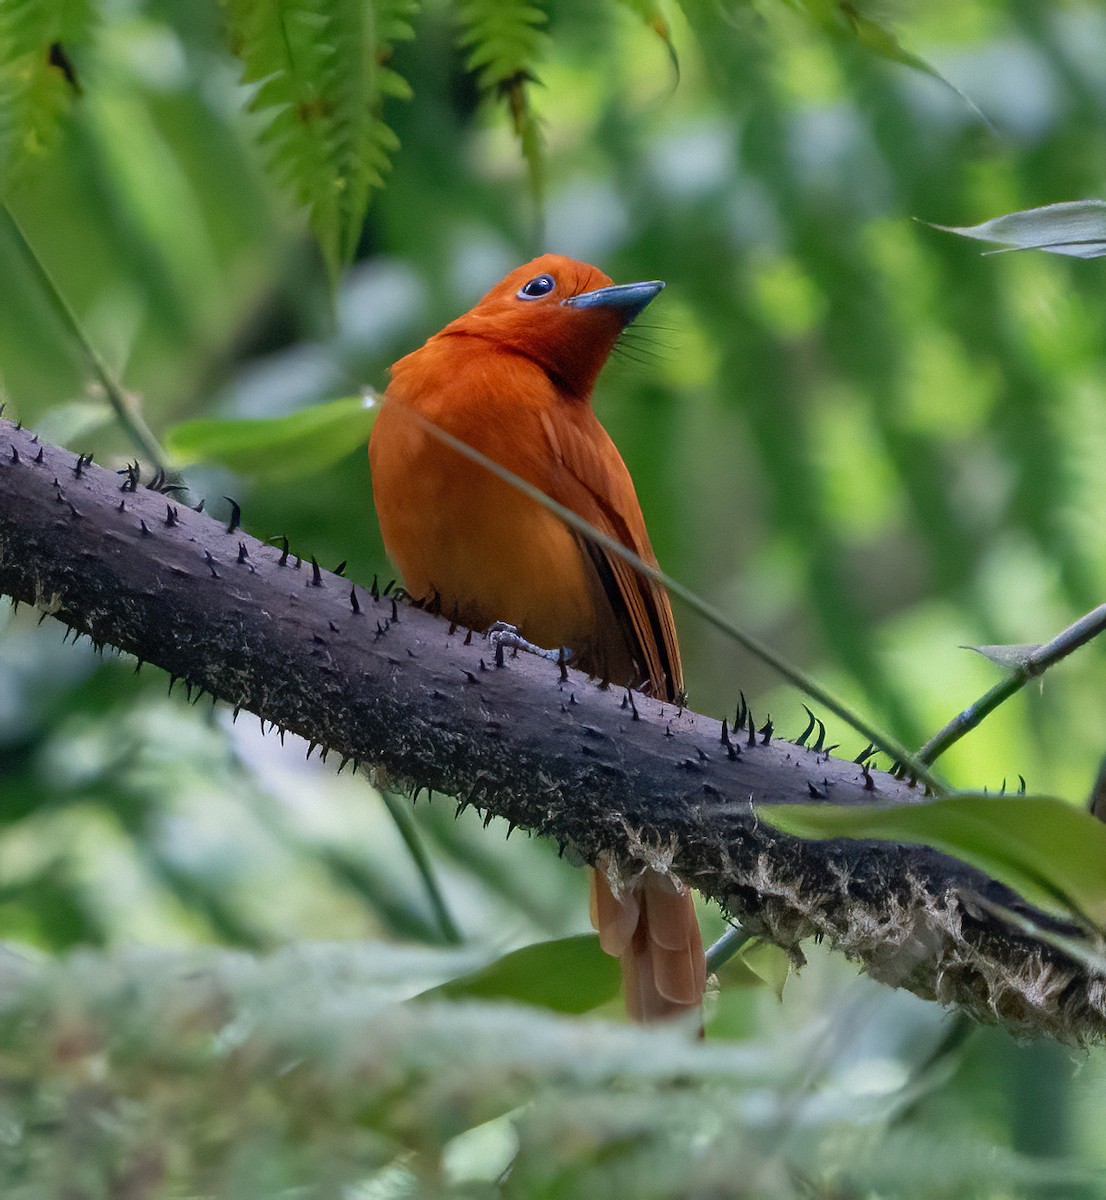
<point x="569" y="975"/>
<point x="1048" y="851"/>
<point x="317" y="64"/>
<point x="506" y="41"/>
<point x="1076" y="228"/>
<point x="769" y="963"/>
<point x="845" y="18"/>
<point x="277" y="447"/>
<point x="653" y="15"/>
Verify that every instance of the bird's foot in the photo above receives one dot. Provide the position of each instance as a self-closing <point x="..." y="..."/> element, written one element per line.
<point x="504" y="636"/>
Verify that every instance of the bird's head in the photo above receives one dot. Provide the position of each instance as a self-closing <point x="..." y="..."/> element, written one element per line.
<point x="563" y="314"/>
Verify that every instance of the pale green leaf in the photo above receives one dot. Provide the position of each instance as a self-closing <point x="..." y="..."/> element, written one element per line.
<point x="276" y="447"/>
<point x="570" y="975"/>
<point x="1076" y="228"/>
<point x="1048" y="851"/>
<point x="771" y="964"/>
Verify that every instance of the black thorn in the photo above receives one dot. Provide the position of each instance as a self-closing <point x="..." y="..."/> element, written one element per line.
<point x="374" y="589"/>
<point x="750" y="724"/>
<point x="283" y="554"/>
<point x="133" y="473"/>
<point x="39" y="457"/>
<point x="468" y="638"/>
<point x="234" y="715"/>
<point x="469" y="676"/>
<point x="499" y="655"/>
<point x="433" y="605"/>
<point x="633" y="706"/>
<point x="381" y="630"/>
<point x="869" y="782"/>
<point x="310" y="747"/>
<point x="765" y="731"/>
<point x="563" y="664"/>
<point x="388" y="587"/>
<point x="703" y="755"/>
<point x="742" y="709"/>
<point x="235" y="514"/>
<point x="171" y="516"/>
<point x="122" y="506"/>
<point x="316" y="574"/>
<point x="210" y="564"/>
<point x="353" y="599"/>
<point x="298" y="563"/>
<point x="145" y="528"/>
<point x="74" y="511"/>
<point x="801" y="739"/>
<point x="395" y="609"/>
<point x="15" y="454"/>
<point x="865" y="754"/>
<point x="200" y="507"/>
<point x="453" y="621"/>
<point x="816" y="793"/>
<point x="340" y="569"/>
<point x="821" y="741"/>
<point x="1021" y="785"/>
<point x="172" y="680"/>
<point x="243" y="554"/>
<point x="732" y="750"/>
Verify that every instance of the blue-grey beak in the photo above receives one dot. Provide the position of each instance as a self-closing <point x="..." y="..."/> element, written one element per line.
<point x="627" y="298"/>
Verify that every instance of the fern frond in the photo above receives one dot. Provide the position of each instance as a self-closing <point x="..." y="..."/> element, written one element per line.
<point x="35" y="91"/>
<point x="506" y="41"/>
<point x="318" y="67"/>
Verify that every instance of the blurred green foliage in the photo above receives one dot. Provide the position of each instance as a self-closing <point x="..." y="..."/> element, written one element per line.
<point x="864" y="440"/>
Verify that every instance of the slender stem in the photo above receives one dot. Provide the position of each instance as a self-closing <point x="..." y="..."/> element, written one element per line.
<point x="880" y="740"/>
<point x="1035" y="663"/>
<point x="401" y="814"/>
<point x="729" y="944"/>
<point x="126" y="410"/>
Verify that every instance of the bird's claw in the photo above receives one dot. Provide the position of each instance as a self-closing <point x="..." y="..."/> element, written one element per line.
<point x="506" y="636"/>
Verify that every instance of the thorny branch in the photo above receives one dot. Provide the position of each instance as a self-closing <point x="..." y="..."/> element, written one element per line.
<point x="364" y="676"/>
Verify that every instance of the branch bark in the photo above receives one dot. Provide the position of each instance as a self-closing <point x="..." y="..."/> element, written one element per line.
<point x="379" y="682"/>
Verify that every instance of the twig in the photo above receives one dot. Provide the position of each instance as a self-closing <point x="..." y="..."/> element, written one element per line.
<point x="126" y="411"/>
<point x="1035" y="663"/>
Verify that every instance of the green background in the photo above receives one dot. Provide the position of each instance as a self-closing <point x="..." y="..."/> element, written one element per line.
<point x="866" y="442"/>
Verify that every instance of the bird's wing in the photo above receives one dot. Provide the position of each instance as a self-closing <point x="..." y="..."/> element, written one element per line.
<point x="595" y="483"/>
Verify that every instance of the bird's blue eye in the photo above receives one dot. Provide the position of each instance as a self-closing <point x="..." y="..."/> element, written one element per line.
<point x="540" y="285"/>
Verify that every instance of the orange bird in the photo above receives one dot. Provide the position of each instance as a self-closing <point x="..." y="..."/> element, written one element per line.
<point x="513" y="379"/>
